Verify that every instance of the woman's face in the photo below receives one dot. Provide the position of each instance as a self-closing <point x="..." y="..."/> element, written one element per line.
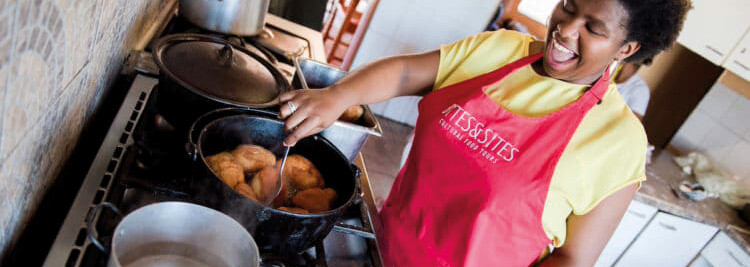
<point x="584" y="36"/>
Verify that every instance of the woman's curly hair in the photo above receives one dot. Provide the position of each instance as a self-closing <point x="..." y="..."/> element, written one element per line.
<point x="655" y="24"/>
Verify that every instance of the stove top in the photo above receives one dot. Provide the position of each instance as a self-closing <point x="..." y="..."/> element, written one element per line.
<point x="141" y="161"/>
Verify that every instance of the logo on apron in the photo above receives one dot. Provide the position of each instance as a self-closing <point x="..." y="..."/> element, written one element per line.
<point x="472" y="133"/>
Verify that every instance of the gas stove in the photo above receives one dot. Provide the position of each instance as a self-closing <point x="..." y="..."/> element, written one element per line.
<point x="142" y="161"/>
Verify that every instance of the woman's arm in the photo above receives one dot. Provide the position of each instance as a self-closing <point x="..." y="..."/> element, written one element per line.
<point x="375" y="82"/>
<point x="589" y="233"/>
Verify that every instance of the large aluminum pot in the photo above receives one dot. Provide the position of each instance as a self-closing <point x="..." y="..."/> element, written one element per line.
<point x="237" y="17"/>
<point x="180" y="234"/>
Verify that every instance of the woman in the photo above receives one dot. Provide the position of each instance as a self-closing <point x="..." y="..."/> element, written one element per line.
<point x="519" y="144"/>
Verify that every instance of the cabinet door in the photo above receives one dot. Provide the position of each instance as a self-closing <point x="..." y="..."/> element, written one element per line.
<point x="668" y="240"/>
<point x="714" y="27"/>
<point x="722" y="251"/>
<point x="739" y="61"/>
<point x="634" y="220"/>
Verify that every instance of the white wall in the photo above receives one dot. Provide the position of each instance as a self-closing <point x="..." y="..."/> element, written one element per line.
<point x="401" y="27"/>
<point x="720" y="127"/>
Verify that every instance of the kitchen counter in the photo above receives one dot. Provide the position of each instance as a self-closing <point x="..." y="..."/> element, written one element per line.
<point x="315" y="38"/>
<point x="661" y="190"/>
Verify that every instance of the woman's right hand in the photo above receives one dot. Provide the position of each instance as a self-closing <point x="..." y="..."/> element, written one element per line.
<point x="377" y="81"/>
<point x="315" y="109"/>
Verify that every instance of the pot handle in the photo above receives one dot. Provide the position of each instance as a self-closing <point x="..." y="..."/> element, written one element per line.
<point x="357" y="183"/>
<point x="91" y="228"/>
<point x="192" y="151"/>
<point x="354" y="230"/>
<point x="356" y="170"/>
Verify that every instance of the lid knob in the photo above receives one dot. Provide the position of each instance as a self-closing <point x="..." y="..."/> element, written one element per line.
<point x="225" y="55"/>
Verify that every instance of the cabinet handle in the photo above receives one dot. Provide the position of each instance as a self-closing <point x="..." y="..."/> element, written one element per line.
<point x="741" y="65"/>
<point x="714" y="50"/>
<point x="667" y="226"/>
<point x="638" y="214"/>
<point x="735" y="258"/>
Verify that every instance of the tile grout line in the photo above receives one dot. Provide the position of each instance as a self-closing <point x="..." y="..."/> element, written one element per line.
<point x="11" y="57"/>
<point x="39" y="120"/>
<point x="65" y="89"/>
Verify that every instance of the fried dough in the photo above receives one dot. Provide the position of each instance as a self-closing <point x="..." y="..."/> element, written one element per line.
<point x="352" y="114"/>
<point x="301" y="173"/>
<point x="246" y="190"/>
<point x="315" y="200"/>
<point x="225" y="166"/>
<point x="253" y="158"/>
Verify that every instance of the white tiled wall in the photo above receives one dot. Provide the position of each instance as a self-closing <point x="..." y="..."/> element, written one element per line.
<point x="402" y="27"/>
<point x="720" y="127"/>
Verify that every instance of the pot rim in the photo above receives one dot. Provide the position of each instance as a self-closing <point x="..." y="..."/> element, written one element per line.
<point x="167" y="41"/>
<point x="113" y="251"/>
<point x="317" y="137"/>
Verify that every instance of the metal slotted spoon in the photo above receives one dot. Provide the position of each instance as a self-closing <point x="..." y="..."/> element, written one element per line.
<point x="279" y="181"/>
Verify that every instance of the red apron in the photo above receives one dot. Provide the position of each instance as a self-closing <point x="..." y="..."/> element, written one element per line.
<point x="473" y="188"/>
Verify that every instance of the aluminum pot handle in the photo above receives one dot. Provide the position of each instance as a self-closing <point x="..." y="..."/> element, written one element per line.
<point x="91" y="228"/>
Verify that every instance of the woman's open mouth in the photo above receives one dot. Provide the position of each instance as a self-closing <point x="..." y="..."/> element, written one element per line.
<point x="559" y="56"/>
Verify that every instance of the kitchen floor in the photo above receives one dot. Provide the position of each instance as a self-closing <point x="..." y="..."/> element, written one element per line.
<point x="382" y="156"/>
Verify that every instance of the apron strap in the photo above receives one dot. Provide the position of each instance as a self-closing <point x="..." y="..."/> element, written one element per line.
<point x="600" y="86"/>
<point x="499" y="73"/>
<point x="597" y="90"/>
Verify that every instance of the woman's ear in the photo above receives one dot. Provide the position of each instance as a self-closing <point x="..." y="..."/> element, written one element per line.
<point x="627" y="49"/>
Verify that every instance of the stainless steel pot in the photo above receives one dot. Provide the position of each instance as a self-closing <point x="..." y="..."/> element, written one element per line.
<point x="237" y="17"/>
<point x="180" y="234"/>
<point x="346" y="136"/>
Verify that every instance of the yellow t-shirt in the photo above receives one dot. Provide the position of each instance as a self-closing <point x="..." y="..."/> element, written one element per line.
<point x="607" y="151"/>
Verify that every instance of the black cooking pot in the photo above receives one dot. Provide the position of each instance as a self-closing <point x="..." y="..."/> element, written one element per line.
<point x="274" y="230"/>
<point x="199" y="73"/>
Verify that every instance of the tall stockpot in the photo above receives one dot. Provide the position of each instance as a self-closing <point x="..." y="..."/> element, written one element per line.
<point x="236" y="17"/>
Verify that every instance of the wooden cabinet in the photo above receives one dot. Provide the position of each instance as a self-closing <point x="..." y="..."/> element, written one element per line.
<point x="714" y="27"/>
<point x="635" y="219"/>
<point x="668" y="240"/>
<point x="739" y="61"/>
<point x="722" y="251"/>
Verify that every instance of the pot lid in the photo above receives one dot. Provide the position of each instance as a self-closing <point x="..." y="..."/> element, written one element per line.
<point x="221" y="70"/>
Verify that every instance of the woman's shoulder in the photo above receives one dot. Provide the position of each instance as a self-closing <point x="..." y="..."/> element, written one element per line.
<point x="479" y="54"/>
<point x="498" y="42"/>
<point x="607" y="153"/>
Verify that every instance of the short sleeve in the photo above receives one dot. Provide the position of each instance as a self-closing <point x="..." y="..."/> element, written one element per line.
<point x="478" y="54"/>
<point x="610" y="151"/>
